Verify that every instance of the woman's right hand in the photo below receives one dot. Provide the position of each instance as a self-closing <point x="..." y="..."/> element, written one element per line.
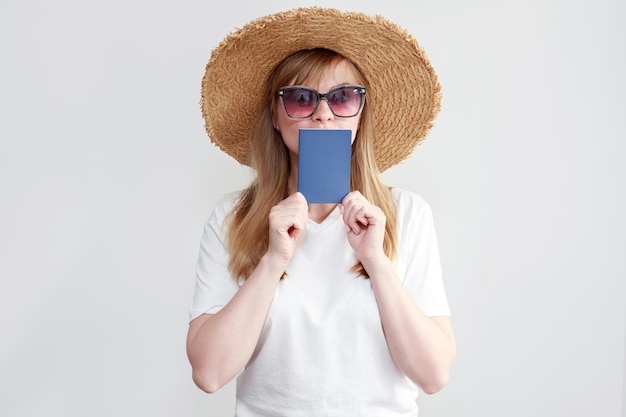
<point x="287" y="226"/>
<point x="220" y="345"/>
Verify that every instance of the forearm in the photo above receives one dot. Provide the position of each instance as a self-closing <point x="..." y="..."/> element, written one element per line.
<point x="422" y="347"/>
<point x="220" y="345"/>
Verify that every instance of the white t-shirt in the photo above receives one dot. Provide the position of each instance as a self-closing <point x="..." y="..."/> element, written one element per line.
<point x="322" y="351"/>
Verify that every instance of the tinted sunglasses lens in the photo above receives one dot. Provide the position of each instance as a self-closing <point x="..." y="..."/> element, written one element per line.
<point x="345" y="102"/>
<point x="299" y="102"/>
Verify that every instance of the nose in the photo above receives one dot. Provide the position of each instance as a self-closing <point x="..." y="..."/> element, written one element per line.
<point x="323" y="111"/>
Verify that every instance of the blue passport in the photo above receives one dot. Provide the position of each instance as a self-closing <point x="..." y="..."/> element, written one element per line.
<point x="324" y="164"/>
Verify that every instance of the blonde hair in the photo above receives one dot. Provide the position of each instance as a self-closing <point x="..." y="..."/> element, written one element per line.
<point x="248" y="222"/>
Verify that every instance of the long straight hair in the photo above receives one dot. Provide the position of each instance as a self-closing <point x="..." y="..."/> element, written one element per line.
<point x="248" y="222"/>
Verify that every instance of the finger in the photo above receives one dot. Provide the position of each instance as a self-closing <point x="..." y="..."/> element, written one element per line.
<point x="362" y="216"/>
<point x="353" y="218"/>
<point x="357" y="211"/>
<point x="290" y="215"/>
<point x="354" y="195"/>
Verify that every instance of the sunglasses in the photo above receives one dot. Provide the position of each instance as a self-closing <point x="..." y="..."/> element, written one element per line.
<point x="301" y="102"/>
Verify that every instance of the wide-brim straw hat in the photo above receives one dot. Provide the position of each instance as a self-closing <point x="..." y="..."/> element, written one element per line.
<point x="403" y="93"/>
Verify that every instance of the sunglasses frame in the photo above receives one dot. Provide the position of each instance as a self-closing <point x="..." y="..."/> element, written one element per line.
<point x="359" y="88"/>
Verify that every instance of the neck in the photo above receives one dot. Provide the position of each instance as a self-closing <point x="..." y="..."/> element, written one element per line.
<point x="319" y="212"/>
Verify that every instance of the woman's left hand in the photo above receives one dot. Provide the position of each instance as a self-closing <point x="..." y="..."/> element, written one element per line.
<point x="365" y="226"/>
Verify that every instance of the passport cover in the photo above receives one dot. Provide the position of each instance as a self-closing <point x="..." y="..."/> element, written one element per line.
<point x="324" y="164"/>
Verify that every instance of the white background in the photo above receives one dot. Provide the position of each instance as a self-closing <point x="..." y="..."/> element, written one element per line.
<point x="107" y="176"/>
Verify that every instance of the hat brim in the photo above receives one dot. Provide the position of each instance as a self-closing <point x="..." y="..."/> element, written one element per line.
<point x="404" y="94"/>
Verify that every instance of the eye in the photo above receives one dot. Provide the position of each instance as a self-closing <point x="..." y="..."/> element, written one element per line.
<point x="342" y="95"/>
<point x="301" y="97"/>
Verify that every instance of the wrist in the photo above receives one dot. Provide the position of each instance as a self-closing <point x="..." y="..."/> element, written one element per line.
<point x="273" y="265"/>
<point x="377" y="265"/>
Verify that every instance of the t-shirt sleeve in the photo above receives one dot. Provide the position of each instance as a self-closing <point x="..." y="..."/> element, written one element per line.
<point x="419" y="264"/>
<point x="214" y="285"/>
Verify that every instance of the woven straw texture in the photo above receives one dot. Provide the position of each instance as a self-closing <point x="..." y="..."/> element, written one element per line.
<point x="403" y="93"/>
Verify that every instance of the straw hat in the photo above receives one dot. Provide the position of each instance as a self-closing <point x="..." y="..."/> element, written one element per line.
<point x="403" y="92"/>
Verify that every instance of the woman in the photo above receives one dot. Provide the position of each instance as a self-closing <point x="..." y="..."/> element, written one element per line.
<point x="320" y="309"/>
